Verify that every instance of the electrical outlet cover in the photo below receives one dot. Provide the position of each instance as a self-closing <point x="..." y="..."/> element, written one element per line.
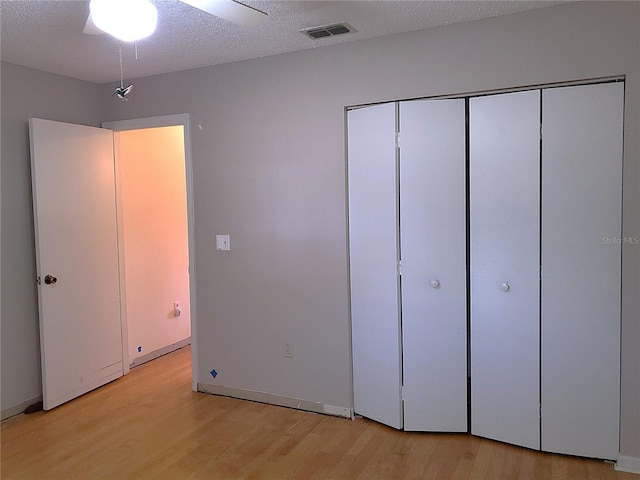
<point x="223" y="242"/>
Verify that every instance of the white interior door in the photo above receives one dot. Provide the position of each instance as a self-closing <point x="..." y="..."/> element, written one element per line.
<point x="505" y="255"/>
<point x="433" y="251"/>
<point x="581" y="268"/>
<point x="373" y="261"/>
<point x="76" y="258"/>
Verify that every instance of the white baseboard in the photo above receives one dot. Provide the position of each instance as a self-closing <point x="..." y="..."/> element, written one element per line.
<point x="147" y="357"/>
<point x="628" y="464"/>
<point x="18" y="409"/>
<point x="271" y="399"/>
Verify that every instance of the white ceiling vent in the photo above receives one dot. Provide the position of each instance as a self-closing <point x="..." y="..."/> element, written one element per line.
<point x="328" y="30"/>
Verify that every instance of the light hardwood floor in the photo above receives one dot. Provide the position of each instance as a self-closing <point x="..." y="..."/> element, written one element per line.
<point x="150" y="425"/>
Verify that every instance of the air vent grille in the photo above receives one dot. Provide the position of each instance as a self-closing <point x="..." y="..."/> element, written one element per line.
<point x="328" y="30"/>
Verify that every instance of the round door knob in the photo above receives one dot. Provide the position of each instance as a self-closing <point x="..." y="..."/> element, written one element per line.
<point x="50" y="279"/>
<point x="434" y="283"/>
<point x="505" y="287"/>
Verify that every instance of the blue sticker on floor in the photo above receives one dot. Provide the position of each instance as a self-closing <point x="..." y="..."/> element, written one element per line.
<point x="214" y="374"/>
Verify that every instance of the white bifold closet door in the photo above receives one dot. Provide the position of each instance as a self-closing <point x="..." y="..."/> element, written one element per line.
<point x="373" y="260"/>
<point x="409" y="207"/>
<point x="504" y="171"/>
<point x="433" y="254"/>
<point x="581" y="262"/>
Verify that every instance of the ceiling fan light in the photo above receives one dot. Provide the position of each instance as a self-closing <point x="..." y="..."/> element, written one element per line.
<point x="127" y="20"/>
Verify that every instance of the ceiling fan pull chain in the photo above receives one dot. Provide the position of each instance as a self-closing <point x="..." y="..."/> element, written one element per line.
<point x="121" y="74"/>
<point x="122" y="91"/>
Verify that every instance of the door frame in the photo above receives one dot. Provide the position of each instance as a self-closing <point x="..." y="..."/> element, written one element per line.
<point x="140" y="124"/>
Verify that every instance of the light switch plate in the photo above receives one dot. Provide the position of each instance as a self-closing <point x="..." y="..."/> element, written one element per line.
<point x="223" y="242"/>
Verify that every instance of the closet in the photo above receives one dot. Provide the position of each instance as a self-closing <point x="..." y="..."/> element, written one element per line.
<point x="485" y="265"/>
<point x="414" y="208"/>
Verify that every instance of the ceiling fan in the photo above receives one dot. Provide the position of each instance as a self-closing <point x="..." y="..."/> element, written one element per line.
<point x="132" y="20"/>
<point x="230" y="10"/>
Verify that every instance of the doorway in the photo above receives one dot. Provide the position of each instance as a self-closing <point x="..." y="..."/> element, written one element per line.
<point x="155" y="219"/>
<point x="152" y="216"/>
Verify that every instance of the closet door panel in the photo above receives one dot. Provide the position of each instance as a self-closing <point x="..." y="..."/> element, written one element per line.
<point x="433" y="251"/>
<point x="373" y="244"/>
<point x="505" y="245"/>
<point x="581" y="268"/>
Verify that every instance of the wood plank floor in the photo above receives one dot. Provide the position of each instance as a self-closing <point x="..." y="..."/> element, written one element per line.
<point x="150" y="425"/>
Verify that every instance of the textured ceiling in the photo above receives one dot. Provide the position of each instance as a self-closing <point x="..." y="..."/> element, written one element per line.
<point x="48" y="34"/>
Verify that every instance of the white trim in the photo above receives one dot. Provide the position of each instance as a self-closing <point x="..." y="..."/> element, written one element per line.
<point x="149" y="122"/>
<point x="168" y="121"/>
<point x="496" y="91"/>
<point x="337" y="411"/>
<point x="19" y="408"/>
<point x="278" y="400"/>
<point x="628" y="464"/>
<point x="160" y="352"/>
<point x="124" y="322"/>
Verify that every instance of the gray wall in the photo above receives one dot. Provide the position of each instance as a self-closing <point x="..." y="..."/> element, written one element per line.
<point x="268" y="145"/>
<point x="28" y="93"/>
<point x="269" y="169"/>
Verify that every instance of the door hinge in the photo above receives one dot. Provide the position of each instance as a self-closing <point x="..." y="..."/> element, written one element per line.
<point x="397" y="139"/>
<point x="400" y="267"/>
<point x="402" y="392"/>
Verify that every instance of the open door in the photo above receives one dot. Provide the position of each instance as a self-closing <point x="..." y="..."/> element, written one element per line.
<point x="76" y="239"/>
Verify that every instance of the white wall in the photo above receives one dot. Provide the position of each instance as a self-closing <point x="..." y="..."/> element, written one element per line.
<point x="269" y="169"/>
<point x="269" y="166"/>
<point x="152" y="185"/>
<point x="28" y="93"/>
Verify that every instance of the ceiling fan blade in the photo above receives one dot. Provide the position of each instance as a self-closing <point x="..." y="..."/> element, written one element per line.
<point x="90" y="27"/>
<point x="230" y="10"/>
